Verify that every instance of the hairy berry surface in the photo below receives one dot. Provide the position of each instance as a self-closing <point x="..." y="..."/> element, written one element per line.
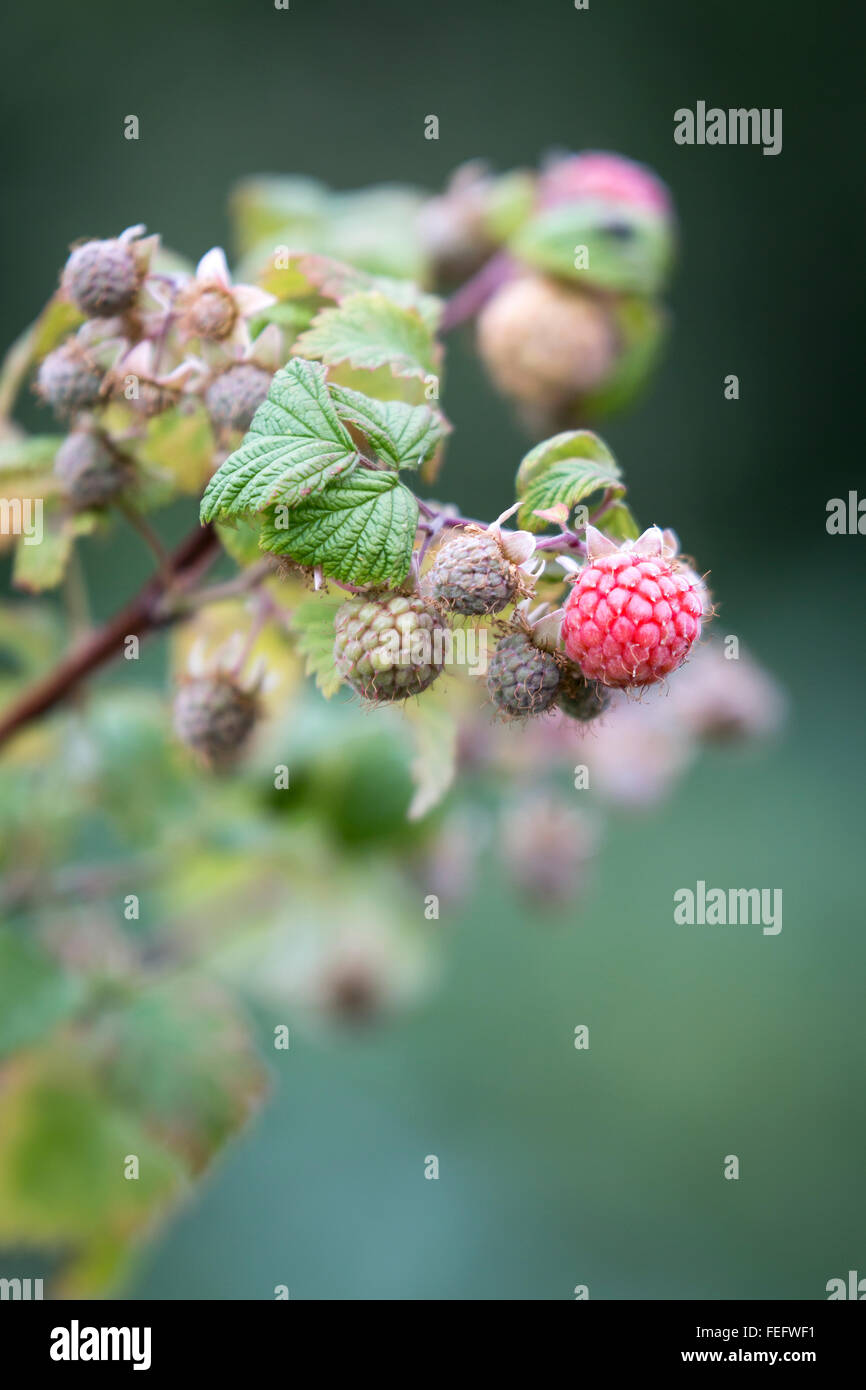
<point x="630" y="619"/>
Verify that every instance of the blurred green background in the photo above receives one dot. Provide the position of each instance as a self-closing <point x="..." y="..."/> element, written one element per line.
<point x="557" y="1167"/>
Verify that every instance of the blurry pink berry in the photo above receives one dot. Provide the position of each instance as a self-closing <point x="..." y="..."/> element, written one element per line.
<point x="724" y="700"/>
<point x="606" y="177"/>
<point x="637" y="752"/>
<point x="546" y="847"/>
<point x="634" y="612"/>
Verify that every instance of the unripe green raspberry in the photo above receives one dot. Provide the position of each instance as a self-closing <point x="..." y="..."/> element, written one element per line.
<point x="90" y="471"/>
<point x="102" y="277"/>
<point x="214" y="717"/>
<point x="69" y="379"/>
<point x="389" y="648"/>
<point x="472" y="574"/>
<point x="546" y="344"/>
<point x="522" y="679"/>
<point x="581" y="699"/>
<point x="233" y="397"/>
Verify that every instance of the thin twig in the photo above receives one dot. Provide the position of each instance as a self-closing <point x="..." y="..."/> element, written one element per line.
<point x="140" y="524"/>
<point x="140" y="616"/>
<point x="567" y="541"/>
<point x="466" y="302"/>
<point x="177" y="605"/>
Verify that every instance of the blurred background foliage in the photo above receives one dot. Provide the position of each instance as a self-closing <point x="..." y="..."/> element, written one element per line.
<point x="558" y="1167"/>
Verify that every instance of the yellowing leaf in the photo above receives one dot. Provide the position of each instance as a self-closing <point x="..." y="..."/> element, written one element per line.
<point x="434" y="734"/>
<point x="313" y="627"/>
<point x="369" y="330"/>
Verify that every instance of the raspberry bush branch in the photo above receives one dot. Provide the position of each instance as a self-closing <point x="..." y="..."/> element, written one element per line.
<point x="142" y="615"/>
<point x="314" y="387"/>
<point x="300" y="400"/>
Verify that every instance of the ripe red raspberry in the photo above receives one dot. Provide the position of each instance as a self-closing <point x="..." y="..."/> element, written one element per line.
<point x="634" y="612"/>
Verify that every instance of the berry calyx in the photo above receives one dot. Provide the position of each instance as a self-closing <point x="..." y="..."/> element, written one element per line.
<point x="214" y="716"/>
<point x="634" y="612"/>
<point x="69" y="380"/>
<point x="473" y="572"/>
<point x="522" y="679"/>
<point x="389" y="648"/>
<point x="103" y="277"/>
<point x="211" y="313"/>
<point x="90" y="471"/>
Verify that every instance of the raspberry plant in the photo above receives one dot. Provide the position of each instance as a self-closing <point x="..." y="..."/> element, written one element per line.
<point x="305" y="404"/>
<point x="298" y="408"/>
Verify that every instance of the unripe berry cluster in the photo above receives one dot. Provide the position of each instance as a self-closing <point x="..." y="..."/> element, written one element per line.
<point x="151" y="342"/>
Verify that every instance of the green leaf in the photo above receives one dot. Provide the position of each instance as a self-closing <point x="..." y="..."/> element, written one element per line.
<point x="240" y="539"/>
<point x="595" y="243"/>
<point x="295" y="446"/>
<point x="292" y="315"/>
<point x="56" y="320"/>
<point x="360" y="531"/>
<point x="180" y="1057"/>
<point x="62" y="1148"/>
<point x="508" y="204"/>
<point x="618" y="523"/>
<point x="180" y="443"/>
<point x="30" y="453"/>
<point x="369" y="330"/>
<point x="567" y="468"/>
<point x="35" y="994"/>
<point x="337" y="281"/>
<point x="372" y="228"/>
<point x="404" y="435"/>
<point x="642" y="327"/>
<point x="434" y="734"/>
<point x="29" y="639"/>
<point x="42" y="566"/>
<point x="313" y="627"/>
<point x="278" y="209"/>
